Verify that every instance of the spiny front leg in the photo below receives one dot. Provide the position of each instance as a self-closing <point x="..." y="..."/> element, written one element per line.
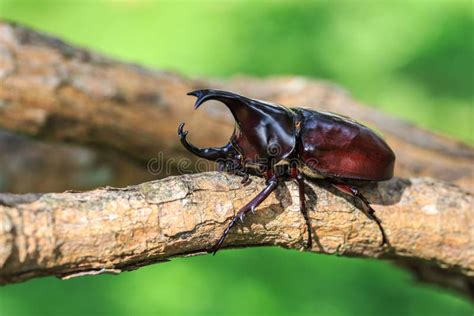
<point x="301" y="186"/>
<point x="233" y="167"/>
<point x="368" y="210"/>
<point x="272" y="183"/>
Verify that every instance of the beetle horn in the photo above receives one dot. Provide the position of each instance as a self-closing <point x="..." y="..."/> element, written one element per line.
<point x="266" y="126"/>
<point x="242" y="107"/>
<point x="210" y="153"/>
<point x="202" y="96"/>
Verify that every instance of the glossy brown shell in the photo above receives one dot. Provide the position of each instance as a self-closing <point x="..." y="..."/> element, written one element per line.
<point x="336" y="146"/>
<point x="264" y="132"/>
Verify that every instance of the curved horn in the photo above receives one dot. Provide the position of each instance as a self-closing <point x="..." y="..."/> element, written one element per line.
<point x="265" y="125"/>
<point x="210" y="153"/>
<point x="208" y="94"/>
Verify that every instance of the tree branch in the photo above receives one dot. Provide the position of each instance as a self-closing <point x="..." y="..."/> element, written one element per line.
<point x="110" y="230"/>
<point x="54" y="91"/>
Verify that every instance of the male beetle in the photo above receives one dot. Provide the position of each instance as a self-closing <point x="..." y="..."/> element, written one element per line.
<point x="277" y="142"/>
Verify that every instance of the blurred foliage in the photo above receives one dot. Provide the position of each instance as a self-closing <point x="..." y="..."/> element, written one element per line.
<point x="412" y="59"/>
<point x="254" y="281"/>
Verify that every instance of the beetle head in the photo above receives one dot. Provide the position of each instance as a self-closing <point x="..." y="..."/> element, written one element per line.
<point x="264" y="133"/>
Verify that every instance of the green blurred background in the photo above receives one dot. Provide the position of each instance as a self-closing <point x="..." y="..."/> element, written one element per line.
<point x="411" y="59"/>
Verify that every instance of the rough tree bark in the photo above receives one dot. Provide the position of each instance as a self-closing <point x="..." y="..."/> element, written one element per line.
<point x="51" y="90"/>
<point x="112" y="230"/>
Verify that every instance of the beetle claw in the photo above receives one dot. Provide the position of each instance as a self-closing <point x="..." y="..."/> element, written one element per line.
<point x="247" y="180"/>
<point x="241" y="216"/>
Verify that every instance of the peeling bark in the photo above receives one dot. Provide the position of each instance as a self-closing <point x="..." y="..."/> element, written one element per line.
<point x="53" y="91"/>
<point x="109" y="230"/>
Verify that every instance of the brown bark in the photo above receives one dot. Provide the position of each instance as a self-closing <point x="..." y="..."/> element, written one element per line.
<point x="51" y="90"/>
<point x="113" y="230"/>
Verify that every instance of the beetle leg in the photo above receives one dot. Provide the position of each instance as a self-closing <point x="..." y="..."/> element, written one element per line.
<point x="232" y="167"/>
<point x="245" y="177"/>
<point x="304" y="210"/>
<point x="368" y="210"/>
<point x="272" y="183"/>
<point x="301" y="186"/>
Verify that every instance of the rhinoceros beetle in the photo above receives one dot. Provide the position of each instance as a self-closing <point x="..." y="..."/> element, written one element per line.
<point x="277" y="142"/>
